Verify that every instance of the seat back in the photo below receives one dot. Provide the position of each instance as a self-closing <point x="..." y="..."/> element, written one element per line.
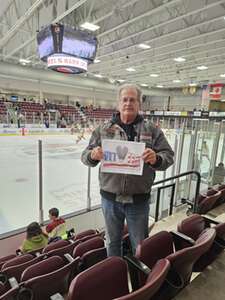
<point x="106" y="280"/>
<point x="200" y="198"/>
<point x="126" y="243"/>
<point x="17" y="260"/>
<point x="17" y="270"/>
<point x="88" y="245"/>
<point x="154" y="248"/>
<point x="63" y="250"/>
<point x="149" y="251"/>
<point x="153" y="283"/>
<point x="55" y="245"/>
<point x="56" y="281"/>
<point x="211" y="192"/>
<point x="85" y="233"/>
<point x="182" y="261"/>
<point x="90" y="236"/>
<point x="192" y="226"/>
<point x="221" y="188"/>
<point x="6" y="258"/>
<point x="92" y="257"/>
<point x="43" y="267"/>
<point x="208" y="203"/>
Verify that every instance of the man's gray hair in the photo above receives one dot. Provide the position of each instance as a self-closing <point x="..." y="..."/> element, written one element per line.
<point x="130" y="86"/>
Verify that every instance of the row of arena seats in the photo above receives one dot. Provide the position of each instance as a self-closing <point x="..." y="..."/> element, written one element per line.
<point x="29" y="108"/>
<point x="16" y="264"/>
<point x="162" y="266"/>
<point x="58" y="262"/>
<point x="210" y="199"/>
<point x="82" y="236"/>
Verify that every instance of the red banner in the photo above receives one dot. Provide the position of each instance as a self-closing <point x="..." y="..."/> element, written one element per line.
<point x="216" y="91"/>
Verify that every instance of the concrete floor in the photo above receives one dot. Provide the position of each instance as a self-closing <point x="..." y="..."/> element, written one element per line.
<point x="207" y="285"/>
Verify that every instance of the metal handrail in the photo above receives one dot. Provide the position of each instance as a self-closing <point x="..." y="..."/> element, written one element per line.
<point x="158" y="199"/>
<point x="173" y="189"/>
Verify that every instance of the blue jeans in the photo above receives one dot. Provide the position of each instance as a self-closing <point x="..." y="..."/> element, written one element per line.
<point x="136" y="215"/>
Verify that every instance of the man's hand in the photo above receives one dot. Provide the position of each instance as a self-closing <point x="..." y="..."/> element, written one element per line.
<point x="97" y="153"/>
<point x="149" y="156"/>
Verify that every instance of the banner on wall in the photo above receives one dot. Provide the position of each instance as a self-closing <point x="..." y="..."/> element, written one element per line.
<point x="216" y="91"/>
<point x="205" y="94"/>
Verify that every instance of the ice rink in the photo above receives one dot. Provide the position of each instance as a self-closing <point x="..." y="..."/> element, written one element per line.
<point x="64" y="178"/>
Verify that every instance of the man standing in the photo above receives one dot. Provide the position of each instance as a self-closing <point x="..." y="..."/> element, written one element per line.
<point x="127" y="196"/>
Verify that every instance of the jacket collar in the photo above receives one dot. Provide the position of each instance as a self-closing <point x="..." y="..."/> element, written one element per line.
<point x="116" y="119"/>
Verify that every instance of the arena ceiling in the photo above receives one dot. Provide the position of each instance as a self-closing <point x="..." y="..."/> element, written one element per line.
<point x="190" y="29"/>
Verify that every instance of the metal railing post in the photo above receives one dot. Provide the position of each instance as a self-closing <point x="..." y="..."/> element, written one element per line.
<point x="157" y="205"/>
<point x="179" y="159"/>
<point x="41" y="212"/>
<point x="172" y="199"/>
<point x="89" y="189"/>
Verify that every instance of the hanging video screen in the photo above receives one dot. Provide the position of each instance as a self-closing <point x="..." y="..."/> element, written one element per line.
<point x="79" y="43"/>
<point x="57" y="38"/>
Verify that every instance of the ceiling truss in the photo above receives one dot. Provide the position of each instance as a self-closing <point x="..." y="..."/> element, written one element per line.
<point x="192" y="29"/>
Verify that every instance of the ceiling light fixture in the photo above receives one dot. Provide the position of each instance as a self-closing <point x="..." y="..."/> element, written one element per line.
<point x="130" y="69"/>
<point x="179" y="59"/>
<point x="159" y="86"/>
<point x="144" y="84"/>
<point x="222" y="75"/>
<point x="176" y="81"/>
<point x="192" y="84"/>
<point x="202" y="68"/>
<point x="97" y="61"/>
<point x="121" y="80"/>
<point x="144" y="46"/>
<point x="90" y="26"/>
<point x="154" y="75"/>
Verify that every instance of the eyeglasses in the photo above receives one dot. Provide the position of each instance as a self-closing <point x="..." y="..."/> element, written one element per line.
<point x="128" y="99"/>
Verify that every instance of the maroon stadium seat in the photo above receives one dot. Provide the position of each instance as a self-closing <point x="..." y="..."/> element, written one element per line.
<point x="205" y="204"/>
<point x="193" y="226"/>
<point x="153" y="282"/>
<point x="220" y="188"/>
<point x="55" y="245"/>
<point x="92" y="257"/>
<point x="6" y="258"/>
<point x="161" y="245"/>
<point x="18" y="260"/>
<point x="85" y="233"/>
<point x="47" y="277"/>
<point x="16" y="270"/>
<point x="88" y="245"/>
<point x="63" y="250"/>
<point x="109" y="280"/>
